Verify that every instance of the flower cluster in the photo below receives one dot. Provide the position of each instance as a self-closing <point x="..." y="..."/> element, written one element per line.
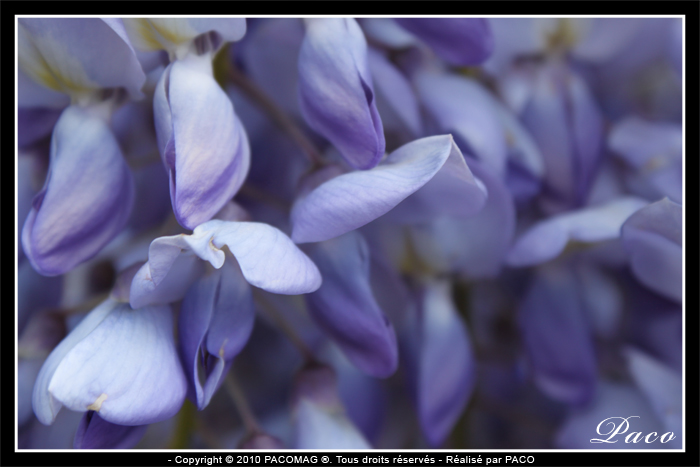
<point x="349" y="233"/>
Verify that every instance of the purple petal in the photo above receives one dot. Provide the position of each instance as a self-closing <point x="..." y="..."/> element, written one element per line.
<point x="202" y="143"/>
<point x="126" y="368"/>
<point x="475" y="246"/>
<point x="74" y="55"/>
<point x="445" y="365"/>
<point x="216" y="320"/>
<point x="96" y="433"/>
<point x="547" y="239"/>
<point x="86" y="200"/>
<point x="459" y="41"/>
<point x="335" y="90"/>
<point x="463" y="107"/>
<point x="354" y="199"/>
<point x="345" y="308"/>
<point x="172" y="34"/>
<point x="394" y="89"/>
<point x="557" y="337"/>
<point x="653" y="239"/>
<point x="663" y="387"/>
<point x="565" y="122"/>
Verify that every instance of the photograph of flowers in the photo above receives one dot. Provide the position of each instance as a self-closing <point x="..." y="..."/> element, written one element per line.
<point x="365" y="233"/>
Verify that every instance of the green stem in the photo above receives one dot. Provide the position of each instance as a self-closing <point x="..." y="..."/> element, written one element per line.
<point x="184" y="427"/>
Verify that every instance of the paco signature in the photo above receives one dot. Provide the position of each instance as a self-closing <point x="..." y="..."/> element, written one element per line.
<point x="633" y="437"/>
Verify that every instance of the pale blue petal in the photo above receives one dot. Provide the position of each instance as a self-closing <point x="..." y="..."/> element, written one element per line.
<point x="547" y="239"/>
<point x="46" y="405"/>
<point x="351" y="200"/>
<point x="127" y="368"/>
<point x="171" y="287"/>
<point x="267" y="257"/>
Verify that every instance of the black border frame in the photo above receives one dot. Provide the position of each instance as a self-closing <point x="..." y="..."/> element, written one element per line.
<point x="691" y="10"/>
